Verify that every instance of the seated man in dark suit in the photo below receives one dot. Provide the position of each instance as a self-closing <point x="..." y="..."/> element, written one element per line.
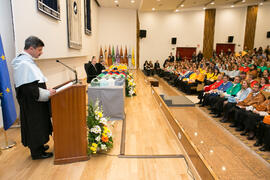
<point x="100" y="66"/>
<point x="91" y="69"/>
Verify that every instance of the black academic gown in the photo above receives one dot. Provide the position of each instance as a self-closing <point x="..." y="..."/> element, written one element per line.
<point x="91" y="71"/>
<point x="34" y="115"/>
<point x="100" y="67"/>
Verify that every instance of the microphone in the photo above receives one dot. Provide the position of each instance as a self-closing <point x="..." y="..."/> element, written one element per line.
<point x="75" y="72"/>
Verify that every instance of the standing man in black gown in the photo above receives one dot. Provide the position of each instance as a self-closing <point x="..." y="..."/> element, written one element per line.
<point x="33" y="97"/>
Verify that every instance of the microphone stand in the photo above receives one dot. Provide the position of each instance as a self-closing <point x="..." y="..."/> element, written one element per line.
<point x="73" y="70"/>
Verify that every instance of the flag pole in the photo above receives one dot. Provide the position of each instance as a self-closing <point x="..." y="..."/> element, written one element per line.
<point x="8" y="143"/>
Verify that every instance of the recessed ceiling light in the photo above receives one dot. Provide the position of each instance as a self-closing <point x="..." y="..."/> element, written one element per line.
<point x="153" y="9"/>
<point x="223" y="168"/>
<point x="232" y="6"/>
<point x="261" y="4"/>
<point x="204" y="8"/>
<point x="213" y="2"/>
<point x="182" y="5"/>
<point x="177" y="10"/>
<point x="158" y="0"/>
<point x="132" y="1"/>
<point x="243" y="1"/>
<point x="115" y="1"/>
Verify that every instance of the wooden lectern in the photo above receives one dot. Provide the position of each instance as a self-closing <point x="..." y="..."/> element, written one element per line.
<point x="69" y="124"/>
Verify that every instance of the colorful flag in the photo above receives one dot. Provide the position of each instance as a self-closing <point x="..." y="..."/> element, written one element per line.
<point x="126" y="56"/>
<point x="100" y="54"/>
<point x="117" y="55"/>
<point x="133" y="58"/>
<point x="121" y="56"/>
<point x="110" y="56"/>
<point x="129" y="57"/>
<point x="7" y="102"/>
<point x="113" y="55"/>
<point x="106" y="56"/>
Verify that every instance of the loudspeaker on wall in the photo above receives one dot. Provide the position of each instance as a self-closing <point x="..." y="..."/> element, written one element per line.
<point x="230" y="39"/>
<point x="142" y="33"/>
<point x="268" y="34"/>
<point x="174" y="40"/>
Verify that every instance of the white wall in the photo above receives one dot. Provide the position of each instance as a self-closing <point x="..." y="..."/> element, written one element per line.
<point x="187" y="27"/>
<point x="29" y="21"/>
<point x="117" y="27"/>
<point x="6" y="31"/>
<point x="262" y="26"/>
<point x="230" y="22"/>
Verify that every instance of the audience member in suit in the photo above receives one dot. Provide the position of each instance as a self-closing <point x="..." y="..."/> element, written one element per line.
<point x="144" y="65"/>
<point x="151" y="68"/>
<point x="171" y="57"/>
<point x="157" y="67"/>
<point x="100" y="66"/>
<point x="166" y="62"/>
<point x="178" y="57"/>
<point x="199" y="56"/>
<point x="193" y="57"/>
<point x="91" y="69"/>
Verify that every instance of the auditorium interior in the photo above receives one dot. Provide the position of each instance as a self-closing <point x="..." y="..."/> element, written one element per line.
<point x="183" y="91"/>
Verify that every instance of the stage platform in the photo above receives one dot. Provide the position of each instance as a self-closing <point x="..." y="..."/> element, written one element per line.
<point x="177" y="101"/>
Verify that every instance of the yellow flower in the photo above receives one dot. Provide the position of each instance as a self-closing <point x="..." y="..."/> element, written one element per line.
<point x="100" y="114"/>
<point x="93" y="149"/>
<point x="94" y="145"/>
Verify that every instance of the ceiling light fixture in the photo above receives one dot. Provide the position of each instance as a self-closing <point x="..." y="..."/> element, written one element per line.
<point x="232" y="6"/>
<point x="261" y="3"/>
<point x="153" y="9"/>
<point x="115" y="1"/>
<point x="182" y="5"/>
<point x="177" y="10"/>
<point x="132" y="1"/>
<point x="243" y="1"/>
<point x="213" y="2"/>
<point x="204" y="8"/>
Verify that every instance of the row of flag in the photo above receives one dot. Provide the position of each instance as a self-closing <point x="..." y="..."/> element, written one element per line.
<point x="6" y="96"/>
<point x="116" y="56"/>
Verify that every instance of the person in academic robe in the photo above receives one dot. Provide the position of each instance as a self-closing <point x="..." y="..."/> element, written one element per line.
<point x="91" y="69"/>
<point x="33" y="98"/>
<point x="100" y="66"/>
<point x="253" y="99"/>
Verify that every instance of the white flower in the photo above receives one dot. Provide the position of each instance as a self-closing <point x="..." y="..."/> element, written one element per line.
<point x="96" y="130"/>
<point x="97" y="139"/>
<point x="103" y="121"/>
<point x="103" y="147"/>
<point x="109" y="134"/>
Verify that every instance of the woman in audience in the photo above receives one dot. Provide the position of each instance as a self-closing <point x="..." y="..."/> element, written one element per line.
<point x="264" y="82"/>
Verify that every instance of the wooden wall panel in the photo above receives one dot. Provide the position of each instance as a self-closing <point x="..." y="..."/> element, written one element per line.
<point x="209" y="30"/>
<point x="251" y="20"/>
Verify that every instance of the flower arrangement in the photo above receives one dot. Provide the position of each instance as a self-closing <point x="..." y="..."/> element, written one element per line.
<point x="99" y="135"/>
<point x="130" y="85"/>
<point x="119" y="67"/>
